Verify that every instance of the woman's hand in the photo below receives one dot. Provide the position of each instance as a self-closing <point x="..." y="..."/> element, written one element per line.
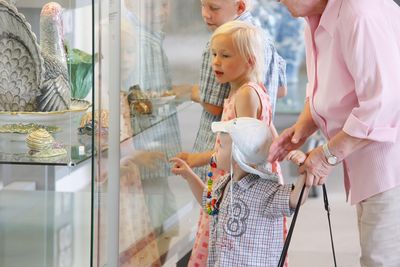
<point x="291" y="139"/>
<point x="315" y="167"/>
<point x="294" y="137"/>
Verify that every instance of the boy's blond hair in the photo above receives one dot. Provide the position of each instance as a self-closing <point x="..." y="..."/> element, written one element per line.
<point x="249" y="41"/>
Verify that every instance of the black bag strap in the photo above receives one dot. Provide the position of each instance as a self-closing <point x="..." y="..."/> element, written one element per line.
<point x="289" y="235"/>
<point x="327" y="208"/>
<point x="296" y="211"/>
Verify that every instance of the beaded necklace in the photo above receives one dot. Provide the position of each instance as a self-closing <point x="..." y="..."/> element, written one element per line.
<point x="211" y="203"/>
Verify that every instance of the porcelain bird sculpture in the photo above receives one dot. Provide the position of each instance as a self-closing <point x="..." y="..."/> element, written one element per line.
<point x="55" y="90"/>
<point x="21" y="64"/>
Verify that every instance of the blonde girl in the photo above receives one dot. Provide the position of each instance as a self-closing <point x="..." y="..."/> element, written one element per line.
<point x="237" y="50"/>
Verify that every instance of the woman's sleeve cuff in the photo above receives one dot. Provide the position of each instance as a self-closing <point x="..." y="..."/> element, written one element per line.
<point x="357" y="128"/>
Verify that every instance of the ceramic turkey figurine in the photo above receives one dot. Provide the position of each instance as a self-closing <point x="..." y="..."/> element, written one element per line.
<point x="55" y="90"/>
<point x="21" y="64"/>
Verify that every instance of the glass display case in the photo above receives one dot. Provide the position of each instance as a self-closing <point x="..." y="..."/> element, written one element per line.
<point x="45" y="164"/>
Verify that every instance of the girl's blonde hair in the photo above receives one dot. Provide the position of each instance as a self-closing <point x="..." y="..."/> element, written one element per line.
<point x="249" y="41"/>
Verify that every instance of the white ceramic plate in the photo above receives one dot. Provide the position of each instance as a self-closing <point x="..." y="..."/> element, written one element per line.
<point x="78" y="107"/>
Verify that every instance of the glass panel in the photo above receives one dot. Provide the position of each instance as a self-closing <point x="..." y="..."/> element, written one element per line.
<point x="45" y="165"/>
<point x="288" y="36"/>
<point x="157" y="213"/>
<point x="157" y="209"/>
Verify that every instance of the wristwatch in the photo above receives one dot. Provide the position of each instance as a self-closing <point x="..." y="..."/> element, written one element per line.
<point x="330" y="158"/>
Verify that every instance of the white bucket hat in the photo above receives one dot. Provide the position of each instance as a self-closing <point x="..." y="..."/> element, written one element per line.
<point x="251" y="140"/>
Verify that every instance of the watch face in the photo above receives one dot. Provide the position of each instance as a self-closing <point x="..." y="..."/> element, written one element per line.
<point x="332" y="160"/>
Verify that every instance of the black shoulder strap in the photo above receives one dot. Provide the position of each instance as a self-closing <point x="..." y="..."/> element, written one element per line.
<point x="289" y="235"/>
<point x="326" y="204"/>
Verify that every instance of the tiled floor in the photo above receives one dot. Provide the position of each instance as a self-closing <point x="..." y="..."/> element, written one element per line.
<point x="310" y="242"/>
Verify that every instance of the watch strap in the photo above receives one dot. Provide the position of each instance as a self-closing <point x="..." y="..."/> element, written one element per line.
<point x="326" y="150"/>
<point x="330" y="158"/>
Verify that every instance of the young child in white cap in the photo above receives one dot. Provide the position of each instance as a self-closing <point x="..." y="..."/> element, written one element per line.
<point x="247" y="205"/>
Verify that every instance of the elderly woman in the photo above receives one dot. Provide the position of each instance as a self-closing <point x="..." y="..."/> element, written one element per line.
<point x="352" y="97"/>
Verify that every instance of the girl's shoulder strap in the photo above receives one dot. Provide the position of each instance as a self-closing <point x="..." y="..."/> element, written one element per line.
<point x="266" y="110"/>
<point x="260" y="89"/>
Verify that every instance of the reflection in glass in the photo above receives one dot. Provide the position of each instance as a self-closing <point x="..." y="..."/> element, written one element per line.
<point x="149" y="136"/>
<point x="287" y="33"/>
